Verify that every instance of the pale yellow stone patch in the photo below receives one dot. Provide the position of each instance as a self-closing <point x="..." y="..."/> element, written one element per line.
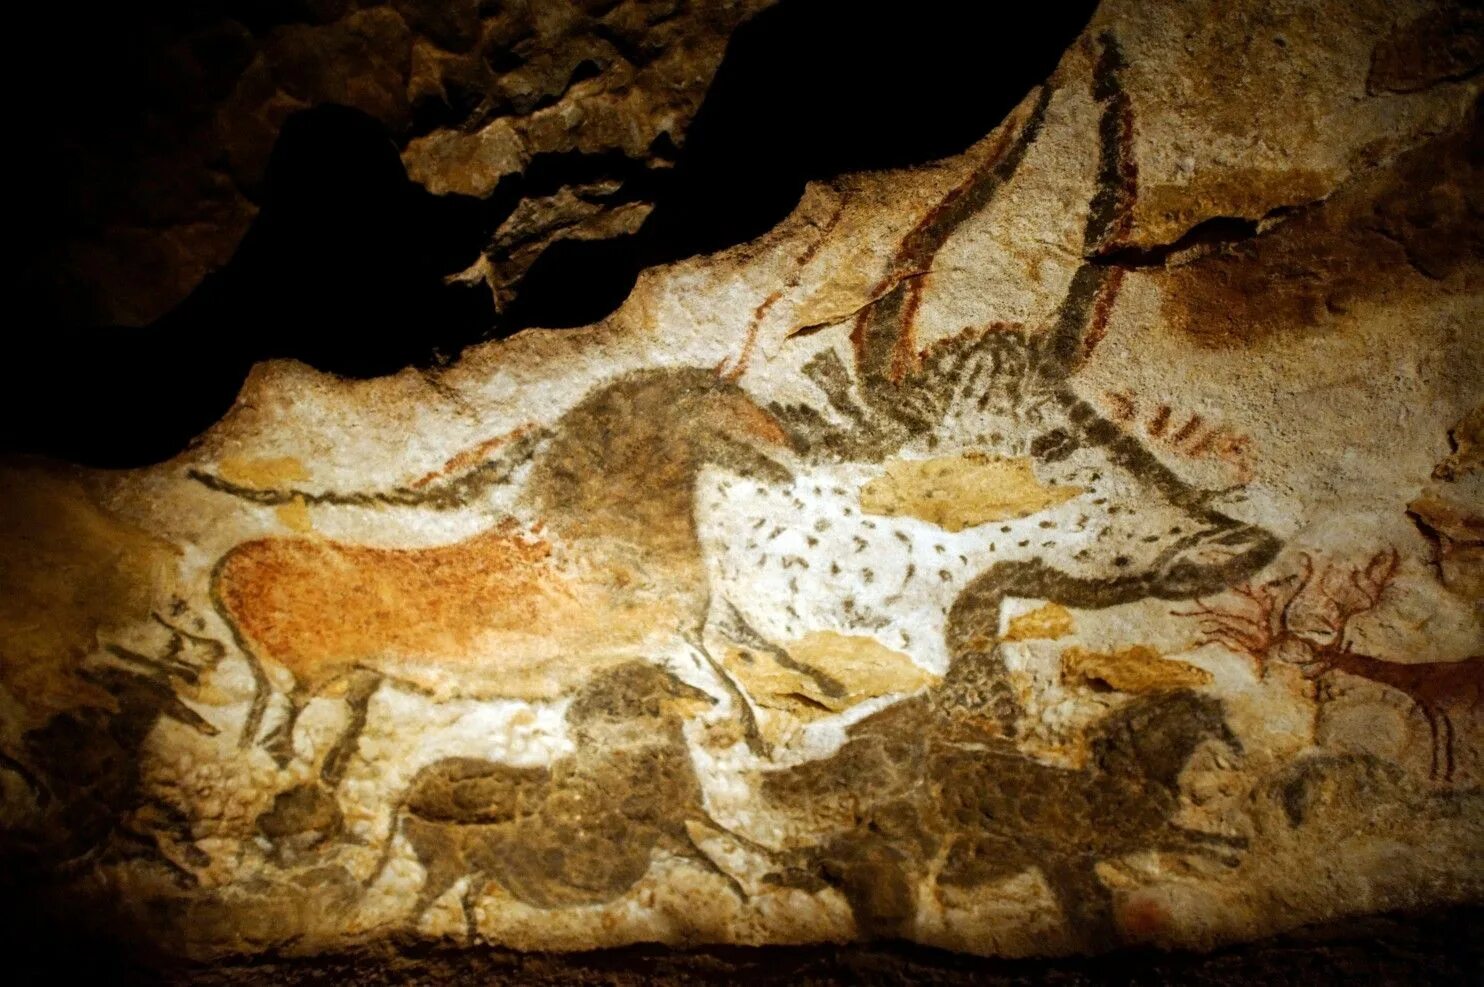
<point x="839" y="297"/>
<point x="1045" y="623"/>
<point x="1138" y="670"/>
<point x="958" y="492"/>
<point x="295" y="515"/>
<point x="821" y="674"/>
<point x="866" y="667"/>
<point x="262" y="474"/>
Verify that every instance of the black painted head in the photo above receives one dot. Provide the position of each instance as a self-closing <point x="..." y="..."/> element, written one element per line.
<point x="1214" y="558"/>
<point x="1153" y="737"/>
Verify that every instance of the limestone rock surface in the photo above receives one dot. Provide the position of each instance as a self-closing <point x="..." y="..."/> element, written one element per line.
<point x="1068" y="545"/>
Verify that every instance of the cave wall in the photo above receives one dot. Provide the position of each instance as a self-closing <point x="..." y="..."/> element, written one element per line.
<point x="1068" y="545"/>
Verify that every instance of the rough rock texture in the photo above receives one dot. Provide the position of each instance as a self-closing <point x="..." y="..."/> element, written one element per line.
<point x="1069" y="545"/>
<point x="471" y="92"/>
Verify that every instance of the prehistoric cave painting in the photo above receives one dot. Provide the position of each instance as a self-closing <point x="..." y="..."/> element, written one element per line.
<point x="1087" y="515"/>
<point x="924" y="792"/>
<point x="85" y="770"/>
<point x="615" y="481"/>
<point x="1136" y="670"/>
<point x="612" y="480"/>
<point x="670" y="487"/>
<point x="908" y="488"/>
<point x="580" y="831"/>
<point x="1063" y="506"/>
<point x="668" y="505"/>
<point x="1305" y="619"/>
<point x="1190" y="435"/>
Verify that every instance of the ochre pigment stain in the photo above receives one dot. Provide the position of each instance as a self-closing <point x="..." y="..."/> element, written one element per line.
<point x="1410" y="226"/>
<point x="961" y="492"/>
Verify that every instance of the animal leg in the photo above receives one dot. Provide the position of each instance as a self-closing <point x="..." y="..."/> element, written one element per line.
<point x="1086" y="905"/>
<point x="261" y="691"/>
<point x="441" y="871"/>
<point x="280" y="742"/>
<point x="394" y="828"/>
<point x="1432" y="729"/>
<point x="469" y="899"/>
<point x="875" y="878"/>
<point x="1447" y="744"/>
<point x="363" y="686"/>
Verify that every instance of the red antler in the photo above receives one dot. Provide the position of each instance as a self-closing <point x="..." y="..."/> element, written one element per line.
<point x="1257" y="620"/>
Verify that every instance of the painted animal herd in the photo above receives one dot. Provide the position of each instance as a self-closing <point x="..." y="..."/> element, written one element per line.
<point x="934" y="788"/>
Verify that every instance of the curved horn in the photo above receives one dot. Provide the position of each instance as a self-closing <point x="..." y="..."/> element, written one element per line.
<point x="1082" y="316"/>
<point x="885" y="344"/>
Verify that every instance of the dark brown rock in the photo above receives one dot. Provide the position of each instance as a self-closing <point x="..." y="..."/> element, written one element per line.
<point x="193" y="101"/>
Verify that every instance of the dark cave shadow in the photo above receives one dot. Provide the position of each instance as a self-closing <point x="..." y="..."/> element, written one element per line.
<point x="1432" y="946"/>
<point x="345" y="266"/>
<point x="807" y="91"/>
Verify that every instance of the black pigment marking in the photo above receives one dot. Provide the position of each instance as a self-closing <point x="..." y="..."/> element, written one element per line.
<point x="989" y="812"/>
<point x="580" y="831"/>
<point x="451" y="494"/>
<point x="85" y="766"/>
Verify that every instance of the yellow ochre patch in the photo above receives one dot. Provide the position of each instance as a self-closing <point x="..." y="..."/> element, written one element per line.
<point x="821" y="674"/>
<point x="262" y="474"/>
<point x="1045" y="623"/>
<point x="268" y="474"/>
<point x="1137" y="670"/>
<point x="295" y="515"/>
<point x="958" y="492"/>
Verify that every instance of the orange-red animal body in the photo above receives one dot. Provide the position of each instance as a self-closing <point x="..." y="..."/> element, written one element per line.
<point x="318" y="607"/>
<point x="614" y="570"/>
